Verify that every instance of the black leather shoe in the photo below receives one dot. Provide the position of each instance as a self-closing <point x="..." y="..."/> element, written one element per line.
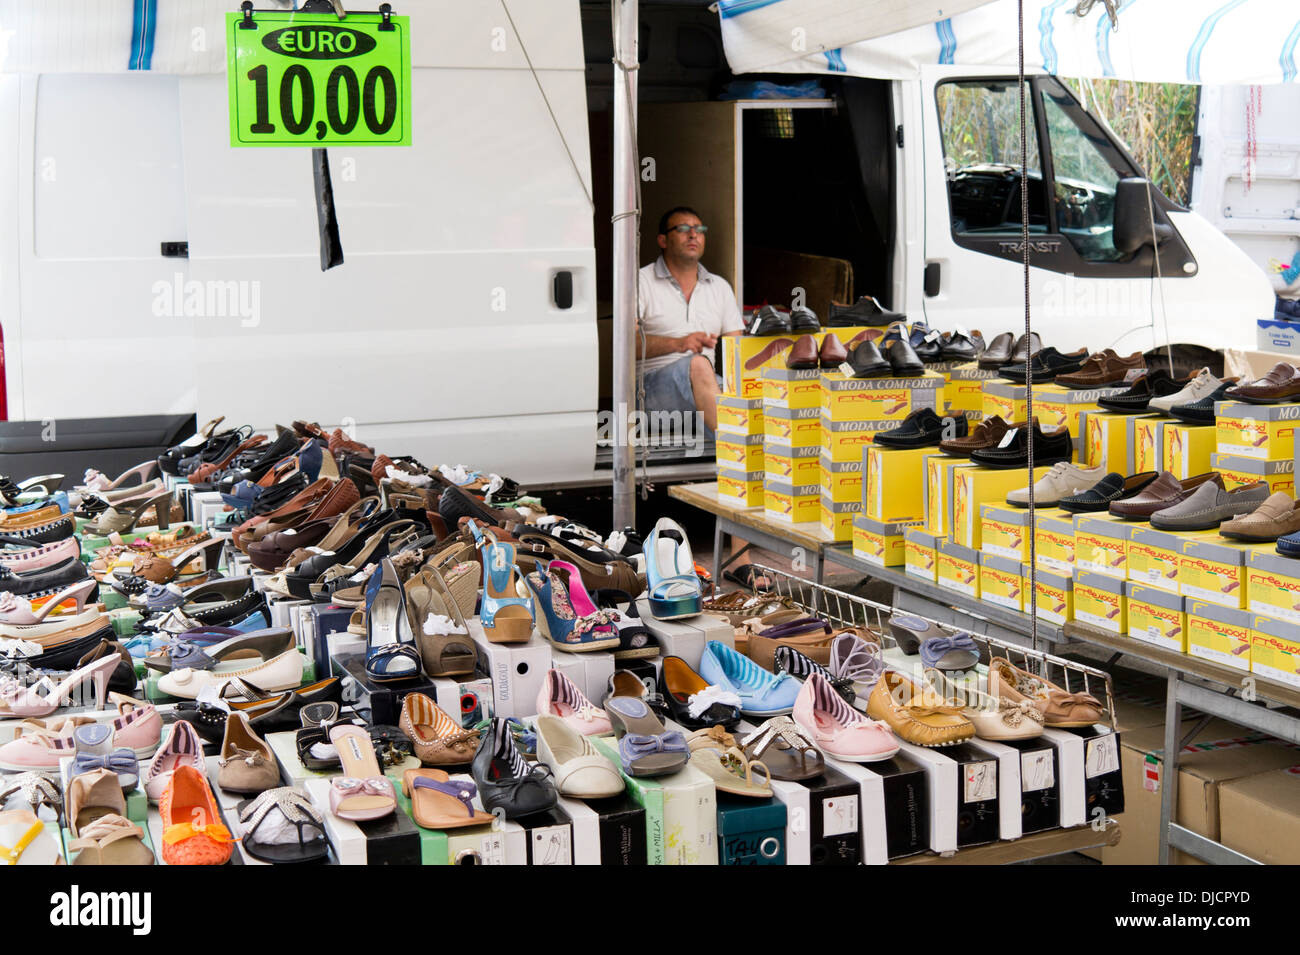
<point x="769" y="321"/>
<point x="679" y="685"/>
<point x="1048" y="448"/>
<point x="1156" y="383"/>
<point x="804" y="321"/>
<point x="865" y="311"/>
<point x="867" y="362"/>
<point x="505" y="779"/>
<point x="1046" y="365"/>
<point x="960" y="346"/>
<point x="904" y="360"/>
<point x="1113" y="487"/>
<point x="926" y="346"/>
<point x="922" y="429"/>
<point x="998" y="352"/>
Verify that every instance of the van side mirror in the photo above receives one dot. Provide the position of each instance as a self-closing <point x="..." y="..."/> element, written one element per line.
<point x="1135" y="205"/>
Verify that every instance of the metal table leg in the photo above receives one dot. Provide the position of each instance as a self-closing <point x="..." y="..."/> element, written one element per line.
<point x="717" y="553"/>
<point x="1169" y="765"/>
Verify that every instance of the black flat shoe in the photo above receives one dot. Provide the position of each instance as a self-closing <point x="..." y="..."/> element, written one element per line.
<point x="505" y="779"/>
<point x="922" y="429"/>
<point x="865" y="311"/>
<point x="1014" y="452"/>
<point x="959" y="346"/>
<point x="1045" y="365"/>
<point x="1156" y="383"/>
<point x="1113" y="487"/>
<point x="903" y="360"/>
<point x="769" y="321"/>
<point x="804" y="321"/>
<point x="680" y="686"/>
<point x="867" y="362"/>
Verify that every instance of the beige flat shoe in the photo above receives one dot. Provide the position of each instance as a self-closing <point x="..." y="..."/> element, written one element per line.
<point x="732" y="773"/>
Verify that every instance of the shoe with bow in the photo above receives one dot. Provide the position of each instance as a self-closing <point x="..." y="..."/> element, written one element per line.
<point x="505" y="780"/>
<point x="762" y="693"/>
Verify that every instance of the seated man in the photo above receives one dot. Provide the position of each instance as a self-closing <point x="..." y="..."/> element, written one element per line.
<point x="684" y="308"/>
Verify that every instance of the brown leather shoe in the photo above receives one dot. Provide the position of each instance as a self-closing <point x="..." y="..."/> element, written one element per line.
<point x="1025" y="349"/>
<point x="983" y="435"/>
<point x="1276" y="517"/>
<point x="998" y="352"/>
<point x="1164" y="491"/>
<point x="1282" y="383"/>
<point x="803" y="354"/>
<point x="832" y="353"/>
<point x="1103" y="368"/>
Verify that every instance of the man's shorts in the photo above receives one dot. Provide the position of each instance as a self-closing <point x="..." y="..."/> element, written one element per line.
<point x="669" y="388"/>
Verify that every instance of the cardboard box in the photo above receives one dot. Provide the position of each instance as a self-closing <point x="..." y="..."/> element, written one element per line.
<point x="1157" y="617"/>
<point x="844" y="482"/>
<point x="1238" y="470"/>
<point x="1146" y="443"/>
<point x="1276" y="335"/>
<point x="741" y="488"/>
<point x="789" y="465"/>
<point x="1056" y="406"/>
<point x="1219" y="633"/>
<point x="1054" y="539"/>
<point x="1002" y="581"/>
<point x="1101" y="601"/>
<point x="1055" y="592"/>
<point x="740" y="415"/>
<point x="1213" y="568"/>
<point x="743" y="363"/>
<point x="751" y="831"/>
<point x="791" y="427"/>
<point x="1106" y="443"/>
<point x="895" y="483"/>
<point x="790" y="503"/>
<point x="1187" y="449"/>
<point x="881" y="544"/>
<point x="843" y="441"/>
<point x="920" y="554"/>
<point x="975" y="486"/>
<point x="837" y="517"/>
<point x="1275" y="650"/>
<point x="1004" y="531"/>
<point x="1273" y="584"/>
<point x="964" y="390"/>
<point x="1259" y="816"/>
<point x="1101" y="544"/>
<point x="739" y="452"/>
<point x="517" y="671"/>
<point x="939" y="491"/>
<point x="957" y="567"/>
<point x="792" y="387"/>
<point x="1263" y="432"/>
<point x="1004" y="399"/>
<point x="878" y="399"/>
<point x="1153" y="557"/>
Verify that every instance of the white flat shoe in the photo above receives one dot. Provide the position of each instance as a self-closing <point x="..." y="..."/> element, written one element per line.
<point x="579" y="770"/>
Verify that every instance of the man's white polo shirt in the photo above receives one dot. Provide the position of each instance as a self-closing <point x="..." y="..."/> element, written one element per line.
<point x="665" y="311"/>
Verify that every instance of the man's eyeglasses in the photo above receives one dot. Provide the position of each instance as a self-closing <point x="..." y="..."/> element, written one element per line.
<point x="687" y="229"/>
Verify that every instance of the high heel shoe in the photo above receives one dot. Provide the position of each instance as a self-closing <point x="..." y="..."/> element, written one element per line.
<point x="124" y="520"/>
<point x="169" y="459"/>
<point x="447" y="653"/>
<point x="369" y="544"/>
<point x="568" y="618"/>
<point x="506" y="617"/>
<point x="391" y="653"/>
<point x="18" y="619"/>
<point x="96" y="482"/>
<point x="149" y="569"/>
<point x="19" y="700"/>
<point x="671" y="583"/>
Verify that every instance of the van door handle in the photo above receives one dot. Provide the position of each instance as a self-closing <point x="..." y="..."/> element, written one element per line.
<point x="562" y="289"/>
<point x="931" y="284"/>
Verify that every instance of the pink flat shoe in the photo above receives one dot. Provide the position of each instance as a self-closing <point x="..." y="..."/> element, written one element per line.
<point x="41" y="745"/>
<point x="38" y="558"/>
<point x="561" y="697"/>
<point x="180" y="747"/>
<point x="841" y="731"/>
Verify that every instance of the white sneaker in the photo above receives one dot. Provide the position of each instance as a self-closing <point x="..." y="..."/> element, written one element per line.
<point x="1063" y="480"/>
<point x="1195" y="390"/>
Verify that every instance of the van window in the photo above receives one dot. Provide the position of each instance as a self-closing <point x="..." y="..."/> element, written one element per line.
<point x="980" y="125"/>
<point x="1083" y="181"/>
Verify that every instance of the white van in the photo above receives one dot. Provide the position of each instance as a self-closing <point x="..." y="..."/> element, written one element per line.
<point x="150" y="267"/>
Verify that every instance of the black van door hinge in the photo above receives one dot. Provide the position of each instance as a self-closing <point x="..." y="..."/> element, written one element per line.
<point x="899" y="134"/>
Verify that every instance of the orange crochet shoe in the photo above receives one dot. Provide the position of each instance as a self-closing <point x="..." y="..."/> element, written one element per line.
<point x="193" y="833"/>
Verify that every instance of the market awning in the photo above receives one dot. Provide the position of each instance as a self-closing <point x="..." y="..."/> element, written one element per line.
<point x="1192" y="41"/>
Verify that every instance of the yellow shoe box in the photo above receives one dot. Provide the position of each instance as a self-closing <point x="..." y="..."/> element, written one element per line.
<point x="844" y="441"/>
<point x="843" y="482"/>
<point x="739" y="452"/>
<point x="895" y="483"/>
<point x="1275" y="649"/>
<point x="1002" y="582"/>
<point x="920" y="554"/>
<point x="740" y="415"/>
<point x="975" y="486"/>
<point x="1054" y="539"/>
<point x="793" y="504"/>
<point x="743" y="359"/>
<point x="1146" y="438"/>
<point x="878" y="399"/>
<point x="791" y="427"/>
<point x="1157" y="617"/>
<point x="1056" y="406"/>
<point x="793" y="466"/>
<point x="1101" y="544"/>
<point x="1237" y="470"/>
<point x="741" y="488"/>
<point x="1187" y="449"/>
<point x="939" y="490"/>
<point x="1101" y="601"/>
<point x="1055" y="593"/>
<point x="1153" y="557"/>
<point x="1106" y="440"/>
<point x="1213" y="568"/>
<point x="837" y="517"/>
<point x="1264" y="432"/>
<point x="1005" y="399"/>
<point x="964" y="391"/>
<point x="1273" y="584"/>
<point x="792" y="387"/>
<point x="883" y="544"/>
<point x="1004" y="531"/>
<point x="1218" y="633"/>
<point x="958" y="567"/>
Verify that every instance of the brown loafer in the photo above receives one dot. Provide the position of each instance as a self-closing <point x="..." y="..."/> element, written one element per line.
<point x="920" y="717"/>
<point x="1164" y="491"/>
<point x="1276" y="517"/>
<point x="1282" y="383"/>
<point x="986" y="434"/>
<point x="803" y="354"/>
<point x="832" y="354"/>
<point x="1103" y="368"/>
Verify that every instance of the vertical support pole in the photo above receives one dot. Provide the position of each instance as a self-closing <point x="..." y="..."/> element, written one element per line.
<point x="623" y="377"/>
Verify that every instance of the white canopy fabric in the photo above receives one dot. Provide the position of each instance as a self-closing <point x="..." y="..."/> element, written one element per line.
<point x="1170" y="41"/>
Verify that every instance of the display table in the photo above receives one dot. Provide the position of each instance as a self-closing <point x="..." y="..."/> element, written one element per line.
<point x="1025" y="849"/>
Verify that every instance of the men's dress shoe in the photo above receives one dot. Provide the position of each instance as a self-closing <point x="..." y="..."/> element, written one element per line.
<point x="1156" y="383"/>
<point x="903" y="360"/>
<point x="803" y="354"/>
<point x="1045" y="365"/>
<point x="1201" y="385"/>
<point x="1113" y="487"/>
<point x="984" y="434"/>
<point x="961" y="346"/>
<point x="769" y="321"/>
<point x="1104" y="368"/>
<point x="1201" y="411"/>
<point x="998" y="352"/>
<point x="1013" y="450"/>
<point x="1209" y="505"/>
<point x="1277" y="517"/>
<point x="1164" y="491"/>
<point x="1063" y="479"/>
<point x="765" y="354"/>
<point x="804" y="320"/>
<point x="865" y="311"/>
<point x="1025" y="348"/>
<point x="832" y="354"/>
<point x="924" y="342"/>
<point x="1282" y="383"/>
<point x="921" y="429"/>
<point x="867" y="362"/>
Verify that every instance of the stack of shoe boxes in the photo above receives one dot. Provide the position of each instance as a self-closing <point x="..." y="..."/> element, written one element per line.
<point x="1255" y="443"/>
<point x="791" y="443"/>
<point x="740" y="415"/>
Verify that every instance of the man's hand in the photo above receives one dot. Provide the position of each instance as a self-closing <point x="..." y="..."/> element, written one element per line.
<point x="697" y="342"/>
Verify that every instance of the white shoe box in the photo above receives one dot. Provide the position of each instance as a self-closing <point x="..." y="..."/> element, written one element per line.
<point x="1070" y="751"/>
<point x="517" y="671"/>
<point x="686" y="638"/>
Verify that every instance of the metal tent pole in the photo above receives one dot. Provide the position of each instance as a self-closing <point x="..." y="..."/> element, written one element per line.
<point x="625" y="256"/>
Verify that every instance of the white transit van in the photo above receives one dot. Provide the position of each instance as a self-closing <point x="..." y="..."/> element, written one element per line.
<point x="146" y="266"/>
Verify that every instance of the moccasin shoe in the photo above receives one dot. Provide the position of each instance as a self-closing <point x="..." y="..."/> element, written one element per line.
<point x="922" y="429"/>
<point x="1155" y="383"/>
<point x="867" y="362"/>
<point x="998" y="351"/>
<point x="1059" y="708"/>
<point x="1201" y="411"/>
<point x="1196" y="389"/>
<point x="1282" y="383"/>
<point x="1276" y="517"/>
<point x="865" y="311"/>
<point x="1045" y="365"/>
<point x="1113" y="487"/>
<point x="980" y="435"/>
<point x="1165" y="491"/>
<point x="832" y="352"/>
<point x="1013" y="450"/>
<point x="1025" y="348"/>
<point x="1209" y="505"/>
<point x="1063" y="480"/>
<point x="922" y="718"/>
<point x="803" y="354"/>
<point x="1104" y="368"/>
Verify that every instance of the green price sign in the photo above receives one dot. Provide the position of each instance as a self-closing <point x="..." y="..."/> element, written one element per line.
<point x="311" y="79"/>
